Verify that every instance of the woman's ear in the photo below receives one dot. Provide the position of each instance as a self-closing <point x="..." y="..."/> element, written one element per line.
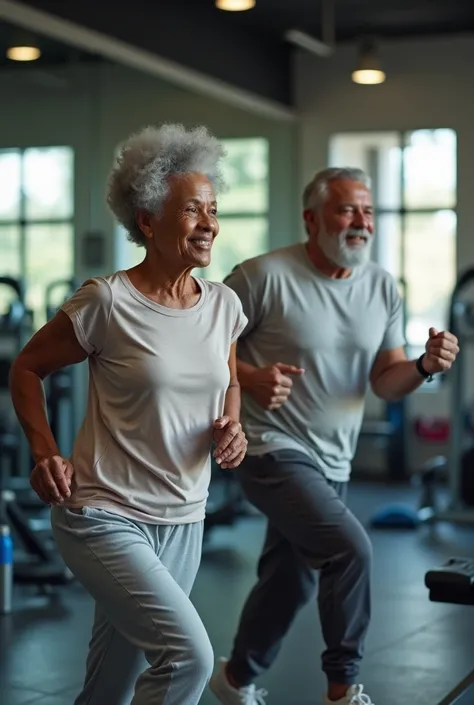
<point x="145" y="223"/>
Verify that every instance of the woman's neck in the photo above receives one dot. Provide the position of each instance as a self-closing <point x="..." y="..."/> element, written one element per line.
<point x="167" y="286"/>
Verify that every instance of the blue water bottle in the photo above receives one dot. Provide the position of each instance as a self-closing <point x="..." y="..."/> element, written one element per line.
<point x="6" y="570"/>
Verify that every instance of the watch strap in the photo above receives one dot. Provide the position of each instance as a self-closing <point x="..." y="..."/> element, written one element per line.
<point x="419" y="366"/>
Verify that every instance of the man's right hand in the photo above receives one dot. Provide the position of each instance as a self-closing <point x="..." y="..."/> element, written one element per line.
<point x="271" y="386"/>
<point x="51" y="479"/>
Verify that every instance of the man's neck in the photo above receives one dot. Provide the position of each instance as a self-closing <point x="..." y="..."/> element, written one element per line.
<point x="324" y="265"/>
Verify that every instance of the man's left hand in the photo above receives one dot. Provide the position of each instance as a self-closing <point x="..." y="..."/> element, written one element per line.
<point x="231" y="442"/>
<point x="441" y="351"/>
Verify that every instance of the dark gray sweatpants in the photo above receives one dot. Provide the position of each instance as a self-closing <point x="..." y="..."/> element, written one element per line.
<point x="309" y="529"/>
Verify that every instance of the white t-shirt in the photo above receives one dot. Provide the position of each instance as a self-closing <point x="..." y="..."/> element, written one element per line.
<point x="157" y="381"/>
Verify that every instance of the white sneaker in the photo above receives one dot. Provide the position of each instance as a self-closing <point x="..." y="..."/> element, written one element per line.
<point x="354" y="696"/>
<point x="228" y="695"/>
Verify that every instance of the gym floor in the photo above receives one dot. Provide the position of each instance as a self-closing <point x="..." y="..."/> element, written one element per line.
<point x="416" y="651"/>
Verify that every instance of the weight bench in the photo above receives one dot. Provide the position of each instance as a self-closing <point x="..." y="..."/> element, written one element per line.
<point x="453" y="583"/>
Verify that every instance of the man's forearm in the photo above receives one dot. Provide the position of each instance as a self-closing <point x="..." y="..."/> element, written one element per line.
<point x="397" y="381"/>
<point x="244" y="373"/>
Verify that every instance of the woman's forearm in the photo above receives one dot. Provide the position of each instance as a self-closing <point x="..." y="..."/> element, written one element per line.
<point x="27" y="393"/>
<point x="232" y="401"/>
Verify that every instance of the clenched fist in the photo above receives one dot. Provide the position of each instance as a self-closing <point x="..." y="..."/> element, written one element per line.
<point x="271" y="386"/>
<point x="441" y="351"/>
<point x="51" y="479"/>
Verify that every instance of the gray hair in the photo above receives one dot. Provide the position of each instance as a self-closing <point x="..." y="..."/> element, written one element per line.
<point x="316" y="191"/>
<point x="146" y="160"/>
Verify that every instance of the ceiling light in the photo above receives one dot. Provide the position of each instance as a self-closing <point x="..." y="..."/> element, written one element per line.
<point x="23" y="53"/>
<point x="235" y="5"/>
<point x="369" y="70"/>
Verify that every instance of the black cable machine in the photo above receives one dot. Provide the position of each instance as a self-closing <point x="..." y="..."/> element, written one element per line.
<point x="457" y="469"/>
<point x="454" y="472"/>
<point x="40" y="566"/>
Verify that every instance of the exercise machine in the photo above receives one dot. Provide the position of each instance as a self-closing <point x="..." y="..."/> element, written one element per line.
<point x="457" y="468"/>
<point x="39" y="565"/>
<point x="16" y="326"/>
<point x="453" y="583"/>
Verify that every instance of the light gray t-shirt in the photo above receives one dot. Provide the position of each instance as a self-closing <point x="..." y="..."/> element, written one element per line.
<point x="333" y="328"/>
<point x="158" y="378"/>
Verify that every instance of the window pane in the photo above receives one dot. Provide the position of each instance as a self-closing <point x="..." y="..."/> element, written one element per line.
<point x="10" y="262"/>
<point x="127" y="254"/>
<point x="379" y="155"/>
<point x="238" y="239"/>
<point x="245" y="171"/>
<point x="48" y="183"/>
<point x="430" y="265"/>
<point x="10" y="252"/>
<point x="387" y="248"/>
<point x="49" y="257"/>
<point x="429" y="160"/>
<point x="10" y="184"/>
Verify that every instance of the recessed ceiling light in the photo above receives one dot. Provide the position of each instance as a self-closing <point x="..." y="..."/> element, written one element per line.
<point x="23" y="53"/>
<point x="235" y="5"/>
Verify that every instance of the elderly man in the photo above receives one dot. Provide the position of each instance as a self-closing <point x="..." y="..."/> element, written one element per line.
<point x="324" y="321"/>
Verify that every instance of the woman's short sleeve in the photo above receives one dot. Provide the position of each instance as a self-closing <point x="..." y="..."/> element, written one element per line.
<point x="89" y="311"/>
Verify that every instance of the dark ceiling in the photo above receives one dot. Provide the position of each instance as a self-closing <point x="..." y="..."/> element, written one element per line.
<point x="248" y="49"/>
<point x="384" y="18"/>
<point x="52" y="52"/>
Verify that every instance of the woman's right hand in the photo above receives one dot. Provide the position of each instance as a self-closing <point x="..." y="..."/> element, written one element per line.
<point x="51" y="479"/>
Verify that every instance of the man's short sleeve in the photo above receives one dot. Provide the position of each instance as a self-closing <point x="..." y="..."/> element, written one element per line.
<point x="394" y="333"/>
<point x="239" y="281"/>
<point x="89" y="311"/>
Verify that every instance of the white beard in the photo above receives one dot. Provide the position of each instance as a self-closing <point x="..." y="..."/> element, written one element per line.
<point x="338" y="251"/>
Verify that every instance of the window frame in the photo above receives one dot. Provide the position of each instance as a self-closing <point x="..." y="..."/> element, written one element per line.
<point x="23" y="222"/>
<point x="401" y="211"/>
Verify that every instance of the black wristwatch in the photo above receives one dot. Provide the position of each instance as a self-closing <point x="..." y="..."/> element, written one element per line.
<point x="419" y="366"/>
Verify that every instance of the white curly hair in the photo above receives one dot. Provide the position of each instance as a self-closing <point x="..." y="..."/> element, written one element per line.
<point x="146" y="160"/>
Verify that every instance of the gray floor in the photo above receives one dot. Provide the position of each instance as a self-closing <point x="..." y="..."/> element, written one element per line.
<point x="416" y="650"/>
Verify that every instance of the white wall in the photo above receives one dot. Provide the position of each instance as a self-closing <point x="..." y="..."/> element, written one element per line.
<point x="429" y="85"/>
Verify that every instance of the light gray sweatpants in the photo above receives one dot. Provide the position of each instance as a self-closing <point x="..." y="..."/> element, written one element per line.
<point x="148" y="645"/>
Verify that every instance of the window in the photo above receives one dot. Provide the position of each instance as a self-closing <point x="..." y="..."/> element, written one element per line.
<point x="243" y="208"/>
<point x="127" y="253"/>
<point x="36" y="221"/>
<point x="414" y="190"/>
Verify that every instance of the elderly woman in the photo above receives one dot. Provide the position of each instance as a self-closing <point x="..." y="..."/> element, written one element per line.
<point x="128" y="509"/>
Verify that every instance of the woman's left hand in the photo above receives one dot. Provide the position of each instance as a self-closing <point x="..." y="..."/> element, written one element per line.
<point x="231" y="442"/>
